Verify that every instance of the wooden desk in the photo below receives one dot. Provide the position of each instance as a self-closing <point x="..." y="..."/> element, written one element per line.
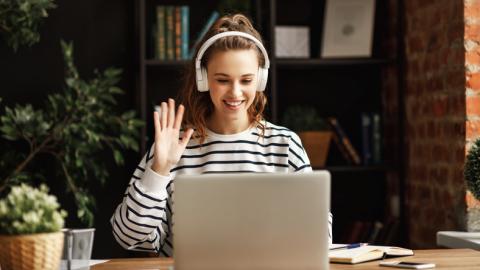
<point x="464" y="259"/>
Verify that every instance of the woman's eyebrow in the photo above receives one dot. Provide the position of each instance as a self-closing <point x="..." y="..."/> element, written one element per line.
<point x="226" y="75"/>
<point x="221" y="74"/>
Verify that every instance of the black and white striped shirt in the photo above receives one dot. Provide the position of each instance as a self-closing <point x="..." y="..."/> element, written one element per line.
<point x="143" y="220"/>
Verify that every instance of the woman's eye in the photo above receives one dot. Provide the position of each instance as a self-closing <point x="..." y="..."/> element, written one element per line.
<point x="246" y="81"/>
<point x="222" y="81"/>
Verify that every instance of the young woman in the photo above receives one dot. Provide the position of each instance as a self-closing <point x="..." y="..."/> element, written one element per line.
<point x="224" y="98"/>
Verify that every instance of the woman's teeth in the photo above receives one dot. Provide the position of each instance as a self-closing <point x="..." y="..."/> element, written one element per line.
<point x="233" y="103"/>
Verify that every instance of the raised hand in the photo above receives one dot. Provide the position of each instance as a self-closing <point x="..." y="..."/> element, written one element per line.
<point x="168" y="147"/>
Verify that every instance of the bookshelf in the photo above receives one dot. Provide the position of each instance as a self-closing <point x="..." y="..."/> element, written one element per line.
<point x="344" y="88"/>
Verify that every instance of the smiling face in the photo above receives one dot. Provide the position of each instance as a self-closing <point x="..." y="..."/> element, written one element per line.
<point x="232" y="80"/>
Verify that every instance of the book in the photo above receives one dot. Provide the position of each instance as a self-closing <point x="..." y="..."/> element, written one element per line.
<point x="376" y="139"/>
<point x="366" y="138"/>
<point x="376" y="229"/>
<point x="343" y="142"/>
<point x="213" y="17"/>
<point x="177" y="20"/>
<point x="185" y="13"/>
<point x="366" y="253"/>
<point x="160" y="51"/>
<point x="170" y="32"/>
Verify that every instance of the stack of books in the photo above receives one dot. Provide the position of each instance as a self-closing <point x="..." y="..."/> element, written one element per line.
<point x="357" y="253"/>
<point x="170" y="33"/>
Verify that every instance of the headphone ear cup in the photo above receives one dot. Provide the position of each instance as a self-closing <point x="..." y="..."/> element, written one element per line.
<point x="262" y="79"/>
<point x="202" y="85"/>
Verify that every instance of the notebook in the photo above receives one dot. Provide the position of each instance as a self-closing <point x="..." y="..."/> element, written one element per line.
<point x="366" y="253"/>
<point x="251" y="221"/>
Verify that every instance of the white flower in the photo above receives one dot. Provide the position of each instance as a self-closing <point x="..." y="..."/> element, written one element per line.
<point x="30" y="210"/>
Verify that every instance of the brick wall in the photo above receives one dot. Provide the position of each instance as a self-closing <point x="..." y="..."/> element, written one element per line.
<point x="472" y="75"/>
<point x="435" y="113"/>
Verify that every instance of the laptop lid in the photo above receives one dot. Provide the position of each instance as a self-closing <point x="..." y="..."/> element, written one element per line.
<point x="251" y="221"/>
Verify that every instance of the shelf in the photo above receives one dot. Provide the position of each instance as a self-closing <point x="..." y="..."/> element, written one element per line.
<point x="317" y="62"/>
<point x="166" y="63"/>
<point x="354" y="168"/>
<point x="291" y="62"/>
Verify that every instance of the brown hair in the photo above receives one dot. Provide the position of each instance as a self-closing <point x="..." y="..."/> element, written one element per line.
<point x="198" y="105"/>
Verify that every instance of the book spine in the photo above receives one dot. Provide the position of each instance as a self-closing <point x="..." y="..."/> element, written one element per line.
<point x="169" y="33"/>
<point x="154" y="41"/>
<point x="160" y="40"/>
<point x="341" y="147"/>
<point x="185" y="31"/>
<point x="213" y="17"/>
<point x="366" y="138"/>
<point x="377" y="227"/>
<point x="178" y="33"/>
<point x="345" y="141"/>
<point x="376" y="139"/>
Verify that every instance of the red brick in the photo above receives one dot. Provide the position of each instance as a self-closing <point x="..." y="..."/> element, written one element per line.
<point x="472" y="129"/>
<point x="473" y="81"/>
<point x="472" y="10"/>
<point x="473" y="57"/>
<point x="473" y="106"/>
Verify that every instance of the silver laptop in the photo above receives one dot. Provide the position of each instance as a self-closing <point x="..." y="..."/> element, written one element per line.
<point x="251" y="221"/>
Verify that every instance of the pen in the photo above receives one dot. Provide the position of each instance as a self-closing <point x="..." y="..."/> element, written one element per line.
<point x="350" y="246"/>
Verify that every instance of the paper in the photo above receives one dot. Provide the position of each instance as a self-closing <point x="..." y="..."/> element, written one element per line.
<point x="80" y="264"/>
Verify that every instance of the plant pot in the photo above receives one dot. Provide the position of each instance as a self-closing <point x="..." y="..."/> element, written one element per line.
<point x="40" y="251"/>
<point x="473" y="212"/>
<point x="316" y="143"/>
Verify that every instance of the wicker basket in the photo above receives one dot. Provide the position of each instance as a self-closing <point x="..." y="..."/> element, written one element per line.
<point x="316" y="144"/>
<point x="31" y="252"/>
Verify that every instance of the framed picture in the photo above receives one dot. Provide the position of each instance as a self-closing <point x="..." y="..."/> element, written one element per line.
<point x="292" y="41"/>
<point x="348" y="28"/>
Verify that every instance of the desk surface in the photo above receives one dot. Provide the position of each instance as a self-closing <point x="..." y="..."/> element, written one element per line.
<point x="464" y="259"/>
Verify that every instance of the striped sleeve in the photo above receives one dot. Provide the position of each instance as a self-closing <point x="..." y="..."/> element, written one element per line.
<point x="297" y="157"/>
<point x="298" y="162"/>
<point x="141" y="221"/>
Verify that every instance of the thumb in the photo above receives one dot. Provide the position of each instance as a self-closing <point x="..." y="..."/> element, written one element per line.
<point x="186" y="137"/>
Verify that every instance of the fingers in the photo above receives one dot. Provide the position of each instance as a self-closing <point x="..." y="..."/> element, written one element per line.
<point x="178" y="119"/>
<point x="186" y="137"/>
<point x="156" y="123"/>
<point x="164" y="115"/>
<point x="171" y="112"/>
<point x="168" y="117"/>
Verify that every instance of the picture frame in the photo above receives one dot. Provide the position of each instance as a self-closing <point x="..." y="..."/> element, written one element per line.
<point x="292" y="41"/>
<point x="348" y="28"/>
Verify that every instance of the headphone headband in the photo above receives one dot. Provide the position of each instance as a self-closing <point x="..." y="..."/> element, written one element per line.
<point x="214" y="38"/>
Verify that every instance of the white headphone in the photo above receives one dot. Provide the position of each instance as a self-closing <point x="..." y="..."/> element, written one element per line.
<point x="201" y="72"/>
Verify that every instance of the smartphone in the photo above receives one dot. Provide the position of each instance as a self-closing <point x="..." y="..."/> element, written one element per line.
<point x="408" y="265"/>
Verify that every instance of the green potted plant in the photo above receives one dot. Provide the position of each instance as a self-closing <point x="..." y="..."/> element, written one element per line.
<point x="312" y="130"/>
<point x="472" y="179"/>
<point x="73" y="130"/>
<point x="30" y="229"/>
<point x="20" y="20"/>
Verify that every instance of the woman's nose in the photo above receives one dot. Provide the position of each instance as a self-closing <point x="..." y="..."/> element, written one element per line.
<point x="236" y="88"/>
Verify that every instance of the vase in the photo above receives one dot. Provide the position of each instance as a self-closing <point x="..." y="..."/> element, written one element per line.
<point x="316" y="145"/>
<point x="473" y="212"/>
<point x="78" y="244"/>
<point x="40" y="251"/>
